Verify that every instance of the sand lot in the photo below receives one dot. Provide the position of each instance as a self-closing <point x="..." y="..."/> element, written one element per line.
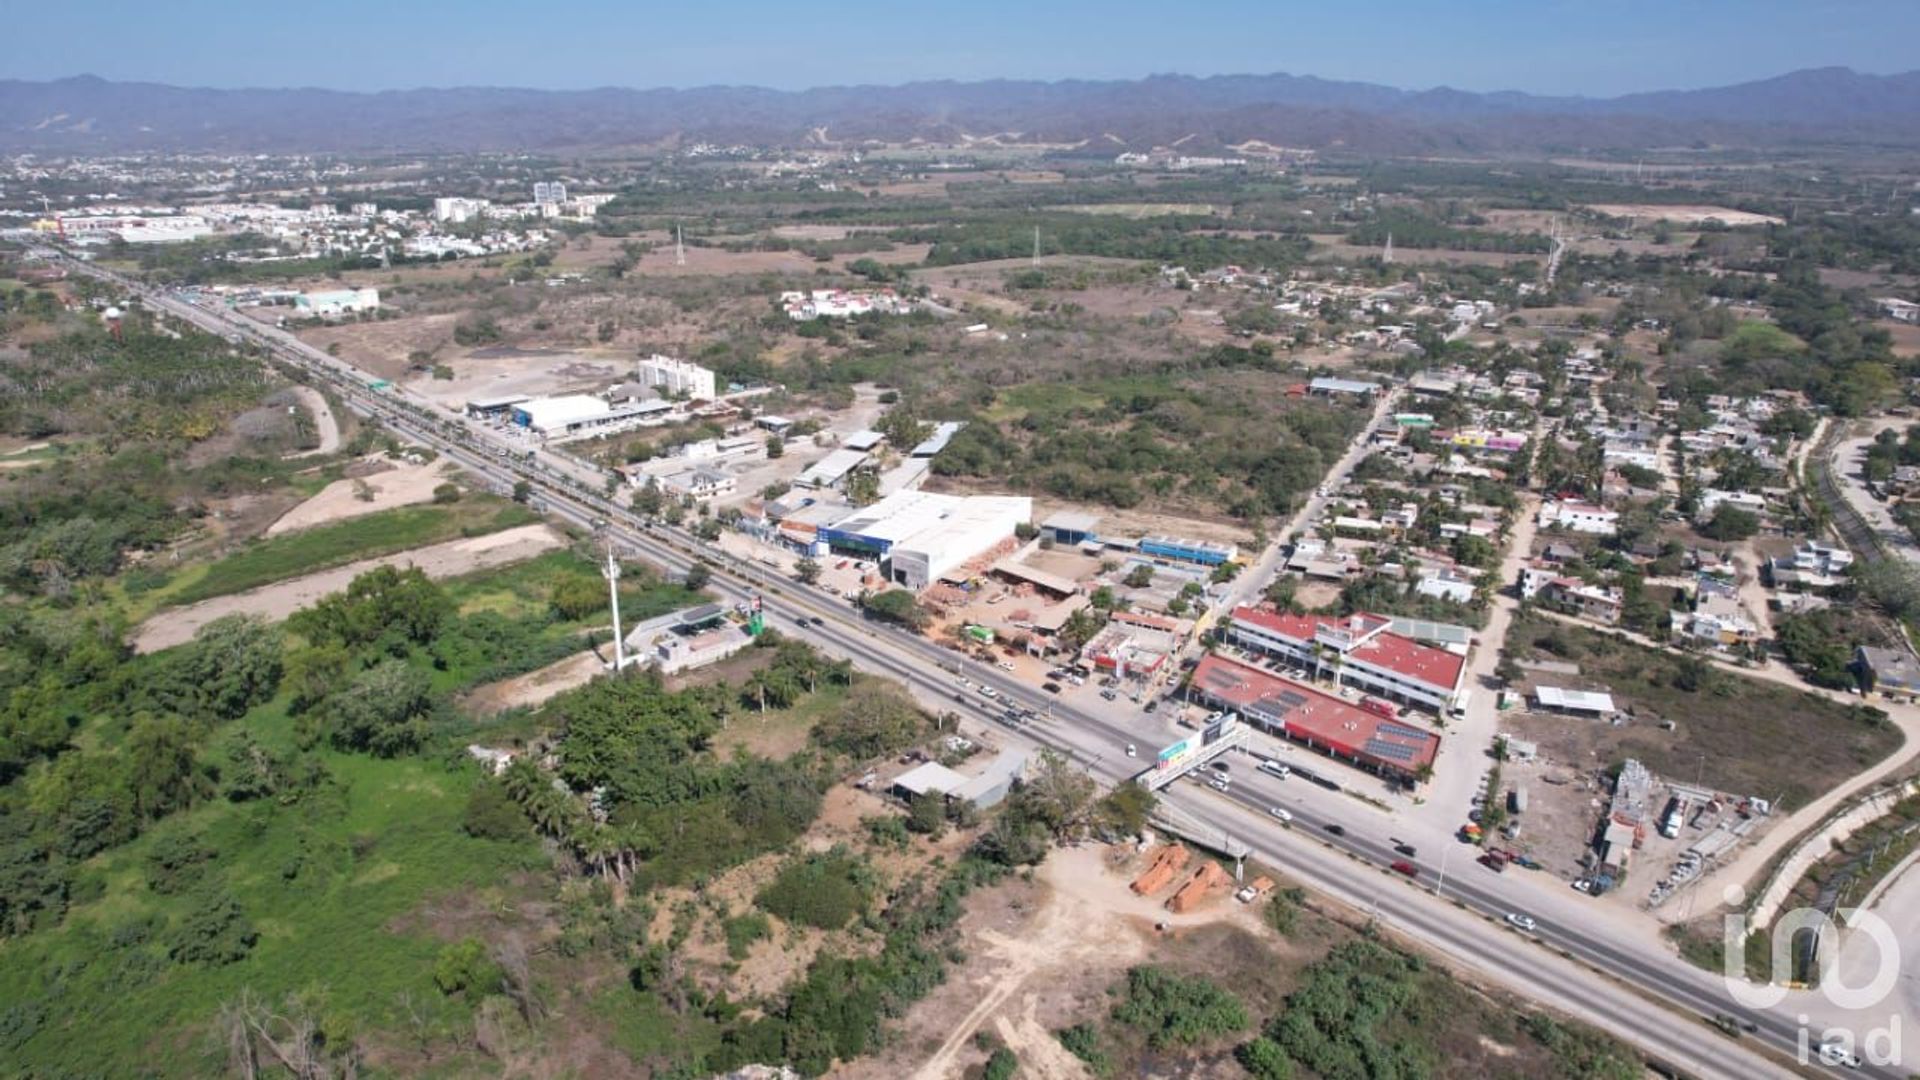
<point x="404" y="485"/>
<point x="535" y="687"/>
<point x="1685" y="215"/>
<point x="283" y="598"/>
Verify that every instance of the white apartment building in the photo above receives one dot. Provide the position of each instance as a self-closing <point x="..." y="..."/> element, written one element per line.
<point x="458" y="211"/>
<point x="1579" y="517"/>
<point x="676" y="378"/>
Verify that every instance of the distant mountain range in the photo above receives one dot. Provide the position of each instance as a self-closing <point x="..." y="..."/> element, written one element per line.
<point x="1817" y="106"/>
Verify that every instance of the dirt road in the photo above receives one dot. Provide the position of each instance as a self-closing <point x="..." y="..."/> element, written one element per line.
<point x="323" y="421"/>
<point x="283" y="598"/>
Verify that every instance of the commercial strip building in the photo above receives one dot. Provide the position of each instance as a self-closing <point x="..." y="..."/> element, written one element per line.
<point x="923" y="536"/>
<point x="1195" y="551"/>
<point x="1319" y="720"/>
<point x="1358" y="650"/>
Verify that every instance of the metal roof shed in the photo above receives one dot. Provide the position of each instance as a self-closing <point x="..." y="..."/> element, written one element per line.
<point x="1583" y="701"/>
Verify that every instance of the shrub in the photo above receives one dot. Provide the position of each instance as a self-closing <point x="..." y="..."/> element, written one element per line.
<point x="214" y="933"/>
<point x="1002" y="1065"/>
<point x="743" y="930"/>
<point x="491" y="813"/>
<point x="176" y="863"/>
<point x="822" y="891"/>
<point x="1176" y="1010"/>
<point x="1083" y="1042"/>
<point x="1264" y="1060"/>
<point x="465" y="967"/>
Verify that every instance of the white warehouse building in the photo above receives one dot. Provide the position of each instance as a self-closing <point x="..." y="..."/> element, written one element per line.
<point x="676" y="378"/>
<point x="923" y="536"/>
<point x="330" y="303"/>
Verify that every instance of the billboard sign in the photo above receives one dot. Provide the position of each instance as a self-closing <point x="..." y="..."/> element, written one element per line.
<point x="1177" y="753"/>
<point x="1218" y="725"/>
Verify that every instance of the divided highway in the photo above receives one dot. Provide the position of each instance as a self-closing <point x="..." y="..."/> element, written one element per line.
<point x="1654" y="1001"/>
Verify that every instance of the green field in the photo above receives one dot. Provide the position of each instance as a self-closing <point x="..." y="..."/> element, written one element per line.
<point x="384" y="847"/>
<point x="278" y="558"/>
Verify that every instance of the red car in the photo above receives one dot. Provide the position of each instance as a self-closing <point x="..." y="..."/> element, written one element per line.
<point x="1402" y="866"/>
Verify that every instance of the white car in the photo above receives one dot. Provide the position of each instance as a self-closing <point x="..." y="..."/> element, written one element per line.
<point x="989" y="692"/>
<point x="1832" y="1053"/>
<point x="1280" y="814"/>
<point x="1523" y="923"/>
<point x="1132" y="750"/>
<point x="1218" y="785"/>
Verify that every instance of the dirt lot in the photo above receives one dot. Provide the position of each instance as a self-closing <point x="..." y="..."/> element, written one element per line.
<point x="382" y="487"/>
<point x="451" y="559"/>
<point x="1727" y="730"/>
<point x="1042" y="956"/>
<point x="381" y="348"/>
<point x="500" y="372"/>
<point x="1685" y="215"/>
<point x="1906" y="337"/>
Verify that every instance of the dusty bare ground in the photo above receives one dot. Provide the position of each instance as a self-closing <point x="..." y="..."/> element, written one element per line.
<point x="283" y="598"/>
<point x="535" y="687"/>
<point x="1906" y="337"/>
<point x="1041" y="955"/>
<point x="402" y="485"/>
<point x="498" y="372"/>
<point x="381" y="348"/>
<point x="1685" y="215"/>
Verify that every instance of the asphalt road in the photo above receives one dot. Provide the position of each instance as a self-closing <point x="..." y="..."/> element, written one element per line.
<point x="1623" y="1004"/>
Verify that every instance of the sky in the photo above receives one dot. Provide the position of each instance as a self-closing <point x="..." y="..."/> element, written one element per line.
<point x="1592" y="47"/>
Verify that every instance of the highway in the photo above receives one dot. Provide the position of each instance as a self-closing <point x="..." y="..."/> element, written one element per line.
<point x="1654" y="1001"/>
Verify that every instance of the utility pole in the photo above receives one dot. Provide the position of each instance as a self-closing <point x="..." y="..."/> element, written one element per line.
<point x="612" y="573"/>
<point x="1036" y="245"/>
<point x="679" y="247"/>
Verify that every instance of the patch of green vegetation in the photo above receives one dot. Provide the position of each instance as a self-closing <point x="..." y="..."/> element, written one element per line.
<point x="1176" y="1010"/>
<point x="327" y="546"/>
<point x="743" y="930"/>
<point x="328" y="885"/>
<point x="825" y="891"/>
<point x="1083" y="1042"/>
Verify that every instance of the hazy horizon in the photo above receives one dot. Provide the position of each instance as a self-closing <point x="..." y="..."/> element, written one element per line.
<point x="1545" y="48"/>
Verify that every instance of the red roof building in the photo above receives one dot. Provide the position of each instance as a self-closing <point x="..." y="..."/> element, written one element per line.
<point x="1320" y="720"/>
<point x="1357" y="650"/>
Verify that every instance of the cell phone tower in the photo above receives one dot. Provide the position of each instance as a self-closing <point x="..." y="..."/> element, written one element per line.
<point x="612" y="573"/>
